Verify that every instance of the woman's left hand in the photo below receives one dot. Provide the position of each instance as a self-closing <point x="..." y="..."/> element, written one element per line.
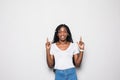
<point x="81" y="44"/>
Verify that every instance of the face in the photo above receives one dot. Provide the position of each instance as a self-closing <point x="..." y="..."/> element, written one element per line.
<point x="62" y="33"/>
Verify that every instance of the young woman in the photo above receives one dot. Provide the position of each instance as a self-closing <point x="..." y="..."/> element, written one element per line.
<point x="63" y="55"/>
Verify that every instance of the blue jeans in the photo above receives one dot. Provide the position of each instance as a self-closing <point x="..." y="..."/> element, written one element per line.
<point x="67" y="74"/>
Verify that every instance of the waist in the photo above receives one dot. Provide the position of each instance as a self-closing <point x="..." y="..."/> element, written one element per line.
<point x="66" y="70"/>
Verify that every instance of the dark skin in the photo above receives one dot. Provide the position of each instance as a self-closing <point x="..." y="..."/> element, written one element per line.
<point x="62" y="44"/>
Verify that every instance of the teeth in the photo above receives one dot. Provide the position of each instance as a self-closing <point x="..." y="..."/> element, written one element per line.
<point x="62" y="36"/>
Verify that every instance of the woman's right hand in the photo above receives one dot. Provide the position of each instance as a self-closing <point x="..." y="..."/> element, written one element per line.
<point x="48" y="44"/>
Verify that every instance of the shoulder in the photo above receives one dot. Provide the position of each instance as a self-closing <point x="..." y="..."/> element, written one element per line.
<point x="52" y="48"/>
<point x="53" y="45"/>
<point x="74" y="45"/>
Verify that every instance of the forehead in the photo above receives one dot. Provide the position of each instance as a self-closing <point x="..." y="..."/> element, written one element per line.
<point x="62" y="29"/>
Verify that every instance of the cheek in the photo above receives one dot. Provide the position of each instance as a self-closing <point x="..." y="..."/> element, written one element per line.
<point x="66" y="34"/>
<point x="58" y="34"/>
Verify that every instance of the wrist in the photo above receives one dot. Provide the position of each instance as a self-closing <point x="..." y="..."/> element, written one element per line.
<point x="81" y="50"/>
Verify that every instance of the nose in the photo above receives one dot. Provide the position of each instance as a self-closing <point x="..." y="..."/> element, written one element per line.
<point x="63" y="33"/>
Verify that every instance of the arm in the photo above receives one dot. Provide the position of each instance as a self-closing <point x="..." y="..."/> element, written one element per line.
<point x="78" y="59"/>
<point x="50" y="59"/>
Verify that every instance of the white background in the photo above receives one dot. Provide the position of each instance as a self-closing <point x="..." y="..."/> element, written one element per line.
<point x="25" y="25"/>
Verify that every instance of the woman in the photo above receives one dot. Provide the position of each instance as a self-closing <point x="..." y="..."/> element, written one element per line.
<point x="63" y="55"/>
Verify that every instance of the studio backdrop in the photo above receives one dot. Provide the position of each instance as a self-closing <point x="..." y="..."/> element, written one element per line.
<point x="26" y="24"/>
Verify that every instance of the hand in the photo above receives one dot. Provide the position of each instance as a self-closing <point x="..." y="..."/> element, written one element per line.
<point x="81" y="44"/>
<point x="48" y="44"/>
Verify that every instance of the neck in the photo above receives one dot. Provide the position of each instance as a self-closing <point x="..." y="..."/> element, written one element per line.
<point x="63" y="42"/>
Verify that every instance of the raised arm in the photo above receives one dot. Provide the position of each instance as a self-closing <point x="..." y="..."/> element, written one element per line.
<point x="78" y="57"/>
<point x="50" y="58"/>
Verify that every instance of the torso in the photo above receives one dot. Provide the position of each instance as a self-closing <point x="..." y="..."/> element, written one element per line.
<point x="63" y="54"/>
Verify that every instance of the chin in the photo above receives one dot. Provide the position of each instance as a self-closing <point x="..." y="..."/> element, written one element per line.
<point x="63" y="39"/>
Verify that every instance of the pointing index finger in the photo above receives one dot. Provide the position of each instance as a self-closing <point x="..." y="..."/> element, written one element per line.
<point x="80" y="38"/>
<point x="47" y="40"/>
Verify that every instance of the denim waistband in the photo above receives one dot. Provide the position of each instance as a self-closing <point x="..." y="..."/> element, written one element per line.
<point x="65" y="70"/>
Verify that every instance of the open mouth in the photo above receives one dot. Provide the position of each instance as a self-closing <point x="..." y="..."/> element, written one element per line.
<point x="63" y="37"/>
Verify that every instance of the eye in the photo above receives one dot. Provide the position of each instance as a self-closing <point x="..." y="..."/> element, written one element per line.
<point x="65" y="31"/>
<point x="59" y="31"/>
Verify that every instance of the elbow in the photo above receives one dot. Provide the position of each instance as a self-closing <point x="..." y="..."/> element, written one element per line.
<point x="50" y="66"/>
<point x="77" y="64"/>
<point x="50" y="63"/>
